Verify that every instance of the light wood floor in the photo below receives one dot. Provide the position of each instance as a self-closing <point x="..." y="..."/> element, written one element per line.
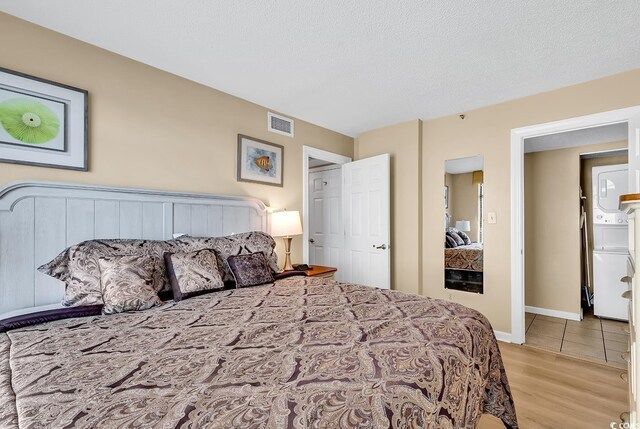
<point x="552" y="390"/>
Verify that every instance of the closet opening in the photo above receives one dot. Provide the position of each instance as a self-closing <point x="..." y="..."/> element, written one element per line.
<point x="575" y="241"/>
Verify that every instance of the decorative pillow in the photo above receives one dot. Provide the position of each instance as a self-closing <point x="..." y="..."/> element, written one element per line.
<point x="464" y="237"/>
<point x="449" y="242"/>
<point x="193" y="273"/>
<point x="459" y="241"/>
<point x="77" y="266"/>
<point x="461" y="234"/>
<point x="128" y="283"/>
<point x="250" y="270"/>
<point x="237" y="244"/>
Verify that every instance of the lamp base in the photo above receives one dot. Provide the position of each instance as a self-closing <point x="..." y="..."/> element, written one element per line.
<point x="287" y="254"/>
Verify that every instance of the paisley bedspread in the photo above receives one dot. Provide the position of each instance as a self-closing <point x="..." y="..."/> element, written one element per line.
<point x="467" y="257"/>
<point x="302" y="353"/>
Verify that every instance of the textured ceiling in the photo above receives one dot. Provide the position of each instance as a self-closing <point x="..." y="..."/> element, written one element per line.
<point x="356" y="65"/>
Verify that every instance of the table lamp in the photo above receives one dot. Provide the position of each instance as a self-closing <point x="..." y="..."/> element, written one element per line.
<point x="463" y="225"/>
<point x="285" y="224"/>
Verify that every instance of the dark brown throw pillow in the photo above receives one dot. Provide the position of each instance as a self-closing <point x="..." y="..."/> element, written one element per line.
<point x="193" y="273"/>
<point x="250" y="270"/>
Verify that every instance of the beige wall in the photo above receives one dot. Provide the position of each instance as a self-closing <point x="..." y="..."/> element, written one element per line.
<point x="152" y="129"/>
<point x="585" y="166"/>
<point x="464" y="195"/>
<point x="403" y="143"/>
<point x="486" y="132"/>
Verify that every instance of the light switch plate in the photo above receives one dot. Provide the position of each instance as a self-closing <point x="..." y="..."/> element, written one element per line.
<point x="492" y="217"/>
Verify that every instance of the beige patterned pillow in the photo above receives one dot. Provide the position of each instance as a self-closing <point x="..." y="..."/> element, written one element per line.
<point x="193" y="273"/>
<point x="237" y="244"/>
<point x="127" y="283"/>
<point x="78" y="267"/>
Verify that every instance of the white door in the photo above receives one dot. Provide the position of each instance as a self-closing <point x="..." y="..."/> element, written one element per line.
<point x="634" y="154"/>
<point x="326" y="233"/>
<point x="366" y="197"/>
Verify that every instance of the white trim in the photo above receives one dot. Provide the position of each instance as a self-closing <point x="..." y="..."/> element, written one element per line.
<point x="553" y="313"/>
<point x="505" y="337"/>
<point x="312" y="152"/>
<point x="518" y="135"/>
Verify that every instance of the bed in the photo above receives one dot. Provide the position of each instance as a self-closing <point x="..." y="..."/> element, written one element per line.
<point x="304" y="352"/>
<point x="299" y="352"/>
<point x="465" y="257"/>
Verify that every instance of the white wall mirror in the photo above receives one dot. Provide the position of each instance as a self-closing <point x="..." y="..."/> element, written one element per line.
<point x="463" y="224"/>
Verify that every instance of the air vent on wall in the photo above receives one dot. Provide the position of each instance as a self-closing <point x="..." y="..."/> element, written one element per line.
<point x="280" y="124"/>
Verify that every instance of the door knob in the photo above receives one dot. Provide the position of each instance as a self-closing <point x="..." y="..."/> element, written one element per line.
<point x="382" y="247"/>
<point x="311" y="240"/>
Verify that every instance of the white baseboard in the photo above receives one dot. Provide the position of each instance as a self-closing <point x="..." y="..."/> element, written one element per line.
<point x="503" y="336"/>
<point x="553" y="313"/>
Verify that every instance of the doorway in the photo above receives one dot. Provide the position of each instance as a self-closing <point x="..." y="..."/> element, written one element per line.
<point x="360" y="221"/>
<point x="320" y="166"/>
<point x="631" y="116"/>
<point x="558" y="196"/>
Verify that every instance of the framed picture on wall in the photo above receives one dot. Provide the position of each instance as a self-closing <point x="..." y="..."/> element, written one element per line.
<point x="259" y="161"/>
<point x="42" y="123"/>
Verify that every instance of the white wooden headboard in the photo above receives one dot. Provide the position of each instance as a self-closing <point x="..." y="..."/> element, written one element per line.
<point x="40" y="219"/>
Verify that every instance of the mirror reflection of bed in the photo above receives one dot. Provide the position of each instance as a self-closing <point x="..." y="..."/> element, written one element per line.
<point x="463" y="224"/>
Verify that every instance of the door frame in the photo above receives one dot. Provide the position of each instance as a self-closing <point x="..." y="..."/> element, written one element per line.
<point x="518" y="136"/>
<point x="312" y="152"/>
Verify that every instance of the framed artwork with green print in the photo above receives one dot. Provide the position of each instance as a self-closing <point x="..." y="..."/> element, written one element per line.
<point x="42" y="123"/>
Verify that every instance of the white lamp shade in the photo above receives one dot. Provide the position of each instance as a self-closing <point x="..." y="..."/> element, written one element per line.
<point x="463" y="225"/>
<point x="285" y="224"/>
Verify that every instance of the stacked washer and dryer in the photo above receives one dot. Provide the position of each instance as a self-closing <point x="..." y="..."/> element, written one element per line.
<point x="610" y="241"/>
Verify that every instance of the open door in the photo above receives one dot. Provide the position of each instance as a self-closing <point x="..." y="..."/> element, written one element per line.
<point x="366" y="208"/>
<point x="634" y="154"/>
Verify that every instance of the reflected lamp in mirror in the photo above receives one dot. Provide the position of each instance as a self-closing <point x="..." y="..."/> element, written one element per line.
<point x="477" y="177"/>
<point x="463" y="225"/>
<point x="285" y="224"/>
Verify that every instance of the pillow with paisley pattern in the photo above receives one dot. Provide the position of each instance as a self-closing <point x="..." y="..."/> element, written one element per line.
<point x="193" y="273"/>
<point x="78" y="267"/>
<point x="127" y="283"/>
<point x="236" y="244"/>
<point x="250" y="270"/>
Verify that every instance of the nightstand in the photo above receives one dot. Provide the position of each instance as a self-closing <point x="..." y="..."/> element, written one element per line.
<point x="320" y="271"/>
